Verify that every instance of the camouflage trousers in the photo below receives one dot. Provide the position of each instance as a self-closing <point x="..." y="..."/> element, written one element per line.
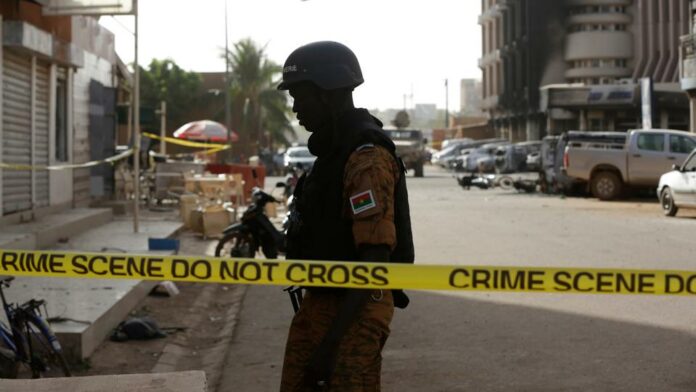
<point x="359" y="360"/>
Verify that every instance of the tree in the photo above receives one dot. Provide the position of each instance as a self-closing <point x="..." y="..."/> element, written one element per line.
<point x="402" y="120"/>
<point x="166" y="81"/>
<point x="260" y="113"/>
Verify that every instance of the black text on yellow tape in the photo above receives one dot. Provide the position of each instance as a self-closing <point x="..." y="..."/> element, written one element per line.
<point x="352" y="274"/>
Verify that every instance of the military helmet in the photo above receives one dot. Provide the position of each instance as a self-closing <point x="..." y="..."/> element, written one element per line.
<point x="329" y="65"/>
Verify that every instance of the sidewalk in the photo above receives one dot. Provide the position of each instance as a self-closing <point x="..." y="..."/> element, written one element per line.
<point x="97" y="305"/>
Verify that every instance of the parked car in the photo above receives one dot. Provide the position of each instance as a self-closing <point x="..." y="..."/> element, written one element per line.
<point x="451" y="142"/>
<point x="513" y="158"/>
<point x="446" y="156"/>
<point x="478" y="159"/>
<point x="677" y="188"/>
<point x="298" y="157"/>
<point x="616" y="164"/>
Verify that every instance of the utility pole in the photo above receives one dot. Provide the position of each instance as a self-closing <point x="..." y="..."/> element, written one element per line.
<point x="136" y="129"/>
<point x="228" y="114"/>
<point x="446" y="104"/>
<point x="163" y="127"/>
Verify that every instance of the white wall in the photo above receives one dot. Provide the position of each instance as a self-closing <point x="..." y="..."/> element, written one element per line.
<point x="60" y="181"/>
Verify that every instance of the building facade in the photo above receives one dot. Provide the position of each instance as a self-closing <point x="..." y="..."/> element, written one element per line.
<point x="56" y="73"/>
<point x="687" y="58"/>
<point x="470" y="91"/>
<point x="578" y="64"/>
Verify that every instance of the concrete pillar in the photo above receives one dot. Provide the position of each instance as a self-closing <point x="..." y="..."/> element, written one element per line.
<point x="692" y="114"/>
<point x="533" y="132"/>
<point x="1" y="110"/>
<point x="664" y="119"/>
<point x="550" y="125"/>
<point x="583" y="120"/>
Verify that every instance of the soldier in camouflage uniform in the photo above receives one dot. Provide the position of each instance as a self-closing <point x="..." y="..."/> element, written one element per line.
<point x="351" y="206"/>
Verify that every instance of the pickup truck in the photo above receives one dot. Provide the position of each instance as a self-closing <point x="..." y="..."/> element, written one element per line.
<point x="617" y="161"/>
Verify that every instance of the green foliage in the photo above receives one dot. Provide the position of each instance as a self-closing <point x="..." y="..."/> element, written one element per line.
<point x="259" y="111"/>
<point x="166" y="81"/>
<point x="401" y="120"/>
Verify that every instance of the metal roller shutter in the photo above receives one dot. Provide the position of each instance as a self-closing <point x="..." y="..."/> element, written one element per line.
<point x="41" y="156"/>
<point x="16" y="106"/>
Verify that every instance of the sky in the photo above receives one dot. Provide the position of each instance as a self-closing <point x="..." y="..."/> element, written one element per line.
<point x="405" y="47"/>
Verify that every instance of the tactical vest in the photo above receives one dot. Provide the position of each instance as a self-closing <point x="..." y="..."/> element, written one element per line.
<point x="322" y="230"/>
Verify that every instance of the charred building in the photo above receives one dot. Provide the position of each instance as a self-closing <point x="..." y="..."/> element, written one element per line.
<point x="687" y="57"/>
<point x="579" y="64"/>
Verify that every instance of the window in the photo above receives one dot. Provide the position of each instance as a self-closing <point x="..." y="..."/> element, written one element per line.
<point x="651" y="142"/>
<point x="61" y="136"/>
<point x="681" y="144"/>
<point x="690" y="165"/>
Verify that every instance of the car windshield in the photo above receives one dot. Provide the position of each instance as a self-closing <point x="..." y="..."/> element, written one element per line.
<point x="300" y="153"/>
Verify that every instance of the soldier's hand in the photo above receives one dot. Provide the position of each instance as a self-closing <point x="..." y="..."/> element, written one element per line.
<point x="320" y="367"/>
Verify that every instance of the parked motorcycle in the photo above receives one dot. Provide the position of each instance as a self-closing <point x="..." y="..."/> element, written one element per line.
<point x="243" y="239"/>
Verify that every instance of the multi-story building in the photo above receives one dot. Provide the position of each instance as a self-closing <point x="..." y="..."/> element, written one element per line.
<point x="57" y="106"/>
<point x="578" y="64"/>
<point x="687" y="57"/>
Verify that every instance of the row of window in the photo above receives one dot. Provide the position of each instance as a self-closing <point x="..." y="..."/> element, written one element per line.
<point x="600" y="63"/>
<point x="597" y="27"/>
<point x="598" y="9"/>
<point x="656" y="142"/>
<point x="593" y="81"/>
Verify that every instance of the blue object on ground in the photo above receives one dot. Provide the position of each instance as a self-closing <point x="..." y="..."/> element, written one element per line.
<point x="163" y="244"/>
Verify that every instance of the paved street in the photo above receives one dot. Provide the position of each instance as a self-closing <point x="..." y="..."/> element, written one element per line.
<point x="531" y="342"/>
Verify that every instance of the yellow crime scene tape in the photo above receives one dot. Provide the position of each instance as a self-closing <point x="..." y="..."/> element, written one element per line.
<point x="346" y="275"/>
<point x="186" y="143"/>
<point x="113" y="159"/>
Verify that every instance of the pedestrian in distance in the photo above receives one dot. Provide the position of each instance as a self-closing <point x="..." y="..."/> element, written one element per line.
<point x="352" y="206"/>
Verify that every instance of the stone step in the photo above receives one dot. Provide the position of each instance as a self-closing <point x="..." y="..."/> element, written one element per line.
<point x="48" y="230"/>
<point x="190" y="381"/>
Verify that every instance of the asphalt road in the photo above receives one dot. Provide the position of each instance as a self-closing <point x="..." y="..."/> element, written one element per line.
<point x="516" y="342"/>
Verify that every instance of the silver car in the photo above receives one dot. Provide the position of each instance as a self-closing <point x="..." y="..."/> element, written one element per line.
<point x="677" y="188"/>
<point x="298" y="157"/>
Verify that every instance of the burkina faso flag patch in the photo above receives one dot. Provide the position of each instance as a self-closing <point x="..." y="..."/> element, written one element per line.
<point x="362" y="201"/>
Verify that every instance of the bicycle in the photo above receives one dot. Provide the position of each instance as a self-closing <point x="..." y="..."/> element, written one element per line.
<point x="28" y="340"/>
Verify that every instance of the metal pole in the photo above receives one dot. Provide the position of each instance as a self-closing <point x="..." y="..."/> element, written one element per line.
<point x="228" y="114"/>
<point x="136" y="129"/>
<point x="446" y="104"/>
<point x="163" y="127"/>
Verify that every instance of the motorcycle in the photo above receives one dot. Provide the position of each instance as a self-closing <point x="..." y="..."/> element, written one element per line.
<point x="526" y="186"/>
<point x="254" y="230"/>
<point x="481" y="182"/>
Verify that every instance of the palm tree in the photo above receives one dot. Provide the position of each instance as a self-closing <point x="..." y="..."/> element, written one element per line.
<point x="260" y="113"/>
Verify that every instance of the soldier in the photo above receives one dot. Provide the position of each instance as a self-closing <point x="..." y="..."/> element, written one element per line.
<point x="353" y="205"/>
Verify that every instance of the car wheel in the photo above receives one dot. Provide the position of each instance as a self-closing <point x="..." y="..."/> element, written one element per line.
<point x="606" y="185"/>
<point x="667" y="202"/>
<point x="418" y="171"/>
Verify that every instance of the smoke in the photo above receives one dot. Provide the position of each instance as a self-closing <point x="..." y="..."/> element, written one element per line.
<point x="549" y="32"/>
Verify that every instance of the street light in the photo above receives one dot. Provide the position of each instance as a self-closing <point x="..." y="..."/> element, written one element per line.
<point x="228" y="114"/>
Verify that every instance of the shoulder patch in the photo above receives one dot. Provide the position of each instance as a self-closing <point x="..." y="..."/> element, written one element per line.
<point x="365" y="147"/>
<point x="362" y="201"/>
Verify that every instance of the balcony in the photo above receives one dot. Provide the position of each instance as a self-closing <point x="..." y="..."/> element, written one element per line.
<point x="687" y="55"/>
